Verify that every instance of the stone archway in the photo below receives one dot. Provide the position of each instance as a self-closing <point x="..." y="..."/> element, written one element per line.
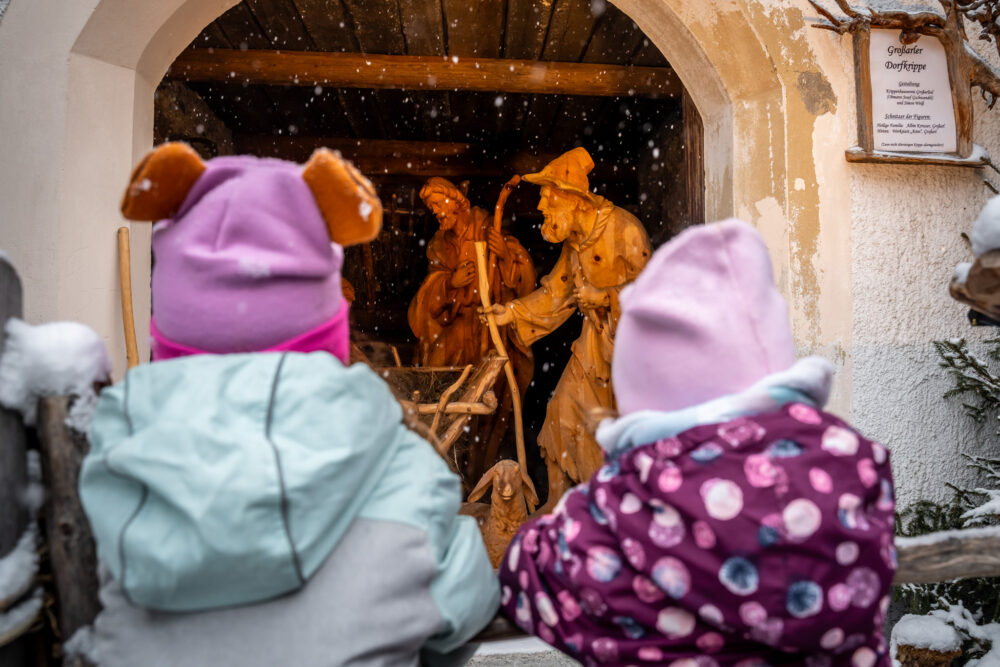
<point x="765" y="86"/>
<point x="92" y="118"/>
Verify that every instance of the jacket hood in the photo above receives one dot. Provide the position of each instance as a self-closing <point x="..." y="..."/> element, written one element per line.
<point x="701" y="321"/>
<point x="207" y="472"/>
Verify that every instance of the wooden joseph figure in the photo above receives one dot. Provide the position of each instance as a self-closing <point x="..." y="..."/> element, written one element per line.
<point x="444" y="313"/>
<point x="604" y="249"/>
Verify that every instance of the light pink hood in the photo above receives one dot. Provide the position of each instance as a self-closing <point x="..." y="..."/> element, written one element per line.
<point x="703" y="320"/>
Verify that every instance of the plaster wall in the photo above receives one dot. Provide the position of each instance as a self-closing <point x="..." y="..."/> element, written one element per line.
<point x="76" y="84"/>
<point x="907" y="222"/>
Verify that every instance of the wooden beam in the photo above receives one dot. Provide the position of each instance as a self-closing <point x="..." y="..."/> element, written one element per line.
<point x="355" y="70"/>
<point x="953" y="554"/>
<point x="71" y="544"/>
<point x="381" y="157"/>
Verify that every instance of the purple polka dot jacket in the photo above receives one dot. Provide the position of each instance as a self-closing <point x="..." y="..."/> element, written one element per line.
<point x="766" y="539"/>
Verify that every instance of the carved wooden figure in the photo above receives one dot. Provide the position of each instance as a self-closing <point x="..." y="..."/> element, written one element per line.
<point x="444" y="313"/>
<point x="604" y="249"/>
<point x="507" y="510"/>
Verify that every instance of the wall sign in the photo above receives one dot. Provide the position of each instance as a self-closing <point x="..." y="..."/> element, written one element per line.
<point x="909" y="108"/>
<point x="912" y="106"/>
<point x="915" y="72"/>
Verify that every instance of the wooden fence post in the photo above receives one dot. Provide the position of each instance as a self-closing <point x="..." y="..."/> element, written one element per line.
<point x="13" y="464"/>
<point x="13" y="461"/>
<point x="71" y="544"/>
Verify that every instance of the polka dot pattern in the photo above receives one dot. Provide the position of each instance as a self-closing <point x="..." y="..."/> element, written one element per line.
<point x="723" y="498"/>
<point x="774" y="528"/>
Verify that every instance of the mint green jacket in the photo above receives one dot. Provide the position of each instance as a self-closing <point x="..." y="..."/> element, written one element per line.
<point x="217" y="482"/>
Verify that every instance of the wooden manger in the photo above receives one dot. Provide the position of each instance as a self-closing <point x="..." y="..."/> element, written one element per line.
<point x="444" y="399"/>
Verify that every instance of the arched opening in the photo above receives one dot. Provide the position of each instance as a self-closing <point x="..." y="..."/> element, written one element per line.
<point x="646" y="140"/>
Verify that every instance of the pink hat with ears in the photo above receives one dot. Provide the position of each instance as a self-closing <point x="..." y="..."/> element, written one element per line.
<point x="248" y="251"/>
<point x="701" y="321"/>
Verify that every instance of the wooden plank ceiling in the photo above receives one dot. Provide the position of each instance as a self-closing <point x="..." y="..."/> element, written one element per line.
<point x="500" y="129"/>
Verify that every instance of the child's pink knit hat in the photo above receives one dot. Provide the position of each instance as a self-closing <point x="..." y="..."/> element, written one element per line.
<point x="245" y="258"/>
<point x="701" y="321"/>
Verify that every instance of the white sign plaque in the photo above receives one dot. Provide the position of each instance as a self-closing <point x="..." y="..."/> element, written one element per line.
<point x="912" y="106"/>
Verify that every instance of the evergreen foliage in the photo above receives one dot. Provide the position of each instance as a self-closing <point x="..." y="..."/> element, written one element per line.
<point x="978" y="386"/>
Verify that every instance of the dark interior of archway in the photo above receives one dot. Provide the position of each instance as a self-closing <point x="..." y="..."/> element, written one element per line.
<point x="647" y="149"/>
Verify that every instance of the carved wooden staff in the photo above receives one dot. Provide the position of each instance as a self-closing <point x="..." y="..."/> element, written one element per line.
<point x="125" y="280"/>
<point x="484" y="295"/>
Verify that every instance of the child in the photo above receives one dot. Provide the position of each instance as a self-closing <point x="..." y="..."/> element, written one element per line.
<point x="734" y="522"/>
<point x="256" y="500"/>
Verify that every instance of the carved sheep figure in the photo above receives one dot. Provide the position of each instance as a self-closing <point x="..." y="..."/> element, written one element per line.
<point x="499" y="521"/>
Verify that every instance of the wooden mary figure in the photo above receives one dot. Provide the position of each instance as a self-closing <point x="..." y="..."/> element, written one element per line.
<point x="604" y="249"/>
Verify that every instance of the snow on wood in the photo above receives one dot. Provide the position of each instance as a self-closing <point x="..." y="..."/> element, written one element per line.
<point x="988" y="509"/>
<point x="947" y="555"/>
<point x="987" y="635"/>
<point x="986" y="230"/>
<point x="961" y="274"/>
<point x="16" y="621"/>
<point x="80" y="645"/>
<point x="56" y="359"/>
<point x="927" y="632"/>
<point x="19" y="567"/>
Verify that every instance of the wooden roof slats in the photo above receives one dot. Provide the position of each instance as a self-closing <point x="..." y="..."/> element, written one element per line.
<point x="474" y="28"/>
<point x="423" y="34"/>
<point x="212" y="37"/>
<point x="331" y="30"/>
<point x="527" y="23"/>
<point x="615" y="40"/>
<point x="423" y="27"/>
<point x="570" y="28"/>
<point x="328" y="24"/>
<point x="284" y="28"/>
<point x="567" y="36"/>
<point x="242" y="31"/>
<point x="499" y="33"/>
<point x="281" y="24"/>
<point x="242" y="28"/>
<point x="379" y="30"/>
<point x="605" y="37"/>
<point x="527" y="26"/>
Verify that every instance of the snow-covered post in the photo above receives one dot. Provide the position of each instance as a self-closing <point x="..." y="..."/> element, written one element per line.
<point x="14" y="514"/>
<point x="13" y="467"/>
<point x="71" y="544"/>
<point x="50" y="373"/>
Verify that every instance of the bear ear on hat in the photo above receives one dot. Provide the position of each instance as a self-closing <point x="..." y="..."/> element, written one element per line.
<point x="347" y="200"/>
<point x="161" y="182"/>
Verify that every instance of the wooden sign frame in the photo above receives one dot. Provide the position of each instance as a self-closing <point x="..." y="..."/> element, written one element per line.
<point x="966" y="154"/>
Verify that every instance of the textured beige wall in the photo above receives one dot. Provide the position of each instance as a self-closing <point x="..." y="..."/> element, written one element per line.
<point x="777" y="95"/>
<point x="76" y="86"/>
